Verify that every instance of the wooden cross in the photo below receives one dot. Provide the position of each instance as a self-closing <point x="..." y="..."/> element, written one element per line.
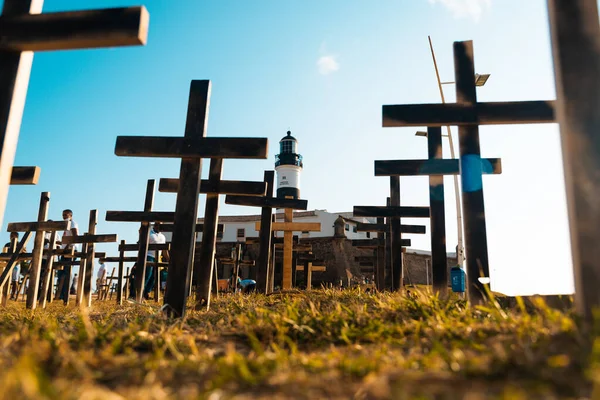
<point x="394" y="212"/>
<point x="40" y="227"/>
<point x="468" y="114"/>
<point x="575" y="34"/>
<point x="87" y="259"/>
<point x="288" y="227"/>
<point x="213" y="187"/>
<point x="15" y="254"/>
<point x="381" y="228"/>
<point x="308" y="268"/>
<point x="435" y="167"/>
<point x="144" y="218"/>
<point x="191" y="148"/>
<point x="121" y="259"/>
<point x="267" y="203"/>
<point x="236" y="260"/>
<point x="24" y="30"/>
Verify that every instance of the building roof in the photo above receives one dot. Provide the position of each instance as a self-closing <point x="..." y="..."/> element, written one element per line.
<point x="288" y="137"/>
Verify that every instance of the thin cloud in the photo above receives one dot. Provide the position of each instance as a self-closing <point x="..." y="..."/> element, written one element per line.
<point x="327" y="65"/>
<point x="473" y="9"/>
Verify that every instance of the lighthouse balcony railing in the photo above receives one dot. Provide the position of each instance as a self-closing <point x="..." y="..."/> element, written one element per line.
<point x="288" y="159"/>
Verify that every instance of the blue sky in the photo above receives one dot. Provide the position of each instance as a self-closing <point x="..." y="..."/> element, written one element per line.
<point x="322" y="69"/>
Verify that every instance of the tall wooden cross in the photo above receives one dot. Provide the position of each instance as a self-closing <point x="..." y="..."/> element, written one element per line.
<point x="191" y="149"/>
<point x="288" y="227"/>
<point x="40" y="227"/>
<point x="435" y="167"/>
<point x="267" y="204"/>
<point x="382" y="228"/>
<point x="394" y="212"/>
<point x="575" y="34"/>
<point x="468" y="114"/>
<point x="213" y="187"/>
<point x="24" y="30"/>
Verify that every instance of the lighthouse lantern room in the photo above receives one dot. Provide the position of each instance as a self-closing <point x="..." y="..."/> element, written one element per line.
<point x="288" y="165"/>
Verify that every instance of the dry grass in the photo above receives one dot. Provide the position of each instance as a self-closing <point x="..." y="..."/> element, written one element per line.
<point x="324" y="344"/>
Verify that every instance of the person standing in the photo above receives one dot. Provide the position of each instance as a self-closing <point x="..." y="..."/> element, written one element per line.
<point x="155" y="237"/>
<point x="62" y="274"/>
<point x="101" y="277"/>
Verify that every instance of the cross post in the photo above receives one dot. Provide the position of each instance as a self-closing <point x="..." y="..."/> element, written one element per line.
<point x="468" y="114"/>
<point x="191" y="149"/>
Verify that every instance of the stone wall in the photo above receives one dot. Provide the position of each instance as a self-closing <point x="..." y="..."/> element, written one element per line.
<point x="337" y="255"/>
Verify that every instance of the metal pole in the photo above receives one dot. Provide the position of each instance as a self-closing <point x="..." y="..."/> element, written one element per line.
<point x="460" y="254"/>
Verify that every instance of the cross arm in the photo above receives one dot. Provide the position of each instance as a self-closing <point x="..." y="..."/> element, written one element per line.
<point x="369" y="243"/>
<point x="90" y="239"/>
<point x="363" y="227"/>
<point x="181" y="147"/>
<point x="431" y="167"/>
<point x="272" y="202"/>
<point x="151" y="247"/>
<point x="139" y="216"/>
<point x="47" y="226"/>
<point x="391" y="211"/>
<point x="314" y="268"/>
<point x="25" y="175"/>
<point x="248" y="188"/>
<point x="518" y="112"/>
<point x="109" y="27"/>
<point x="99" y="254"/>
<point x="118" y="259"/>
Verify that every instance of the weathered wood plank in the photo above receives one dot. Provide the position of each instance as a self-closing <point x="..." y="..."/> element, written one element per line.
<point x="5" y="276"/>
<point x="439" y="264"/>
<point x="380" y="252"/>
<point x="47" y="278"/>
<point x="20" y="256"/>
<point x="119" y="259"/>
<point x="205" y="266"/>
<point x="431" y="167"/>
<point x="492" y="113"/>
<point x="287" y="247"/>
<point x="151" y="247"/>
<point x="46" y="226"/>
<point x="396" y="235"/>
<point x="575" y="37"/>
<point x="144" y="237"/>
<point x="319" y="268"/>
<point x="372" y="243"/>
<point x="366" y="227"/>
<point x="472" y="185"/>
<point x="25" y="175"/>
<point x="178" y="147"/>
<point x="74" y="29"/>
<point x="391" y="211"/>
<point x="186" y="205"/>
<point x="38" y="247"/>
<point x="247" y="188"/>
<point x="108" y="238"/>
<point x="293" y="226"/>
<point x="264" y="236"/>
<point x="91" y="253"/>
<point x="139" y="216"/>
<point x="272" y="202"/>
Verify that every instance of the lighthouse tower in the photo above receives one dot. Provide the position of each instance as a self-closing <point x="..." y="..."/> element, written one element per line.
<point x="288" y="165"/>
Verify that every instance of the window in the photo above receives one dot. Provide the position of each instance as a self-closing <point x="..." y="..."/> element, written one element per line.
<point x="354" y="228"/>
<point x="305" y="234"/>
<point x="368" y="235"/>
<point x="288" y="146"/>
<point x="219" y="235"/>
<point x="347" y="227"/>
<point x="241" y="233"/>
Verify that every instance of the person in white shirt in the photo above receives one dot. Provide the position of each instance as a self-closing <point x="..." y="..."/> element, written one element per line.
<point x="156" y="236"/>
<point x="101" y="277"/>
<point x="74" y="231"/>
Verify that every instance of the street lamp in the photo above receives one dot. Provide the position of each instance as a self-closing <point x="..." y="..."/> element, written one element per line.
<point x="480" y="80"/>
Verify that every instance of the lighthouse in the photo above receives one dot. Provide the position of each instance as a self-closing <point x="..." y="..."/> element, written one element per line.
<point x="288" y="165"/>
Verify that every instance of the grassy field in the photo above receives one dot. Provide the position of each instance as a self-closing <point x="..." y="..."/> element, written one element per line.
<point x="324" y="344"/>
